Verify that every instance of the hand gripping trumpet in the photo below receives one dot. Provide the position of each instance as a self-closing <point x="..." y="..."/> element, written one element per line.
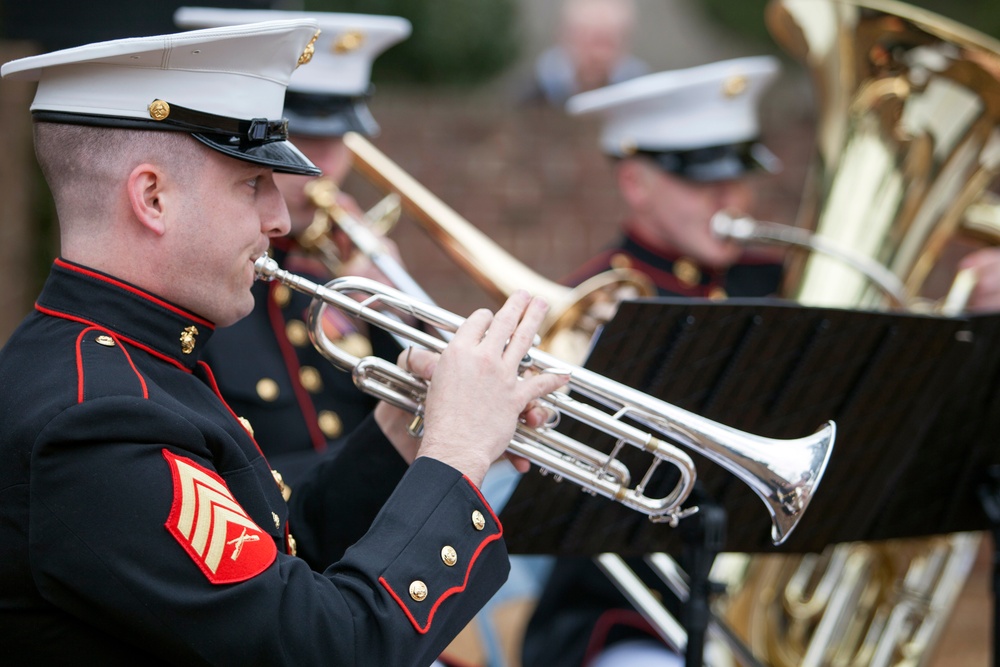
<point x="783" y="473"/>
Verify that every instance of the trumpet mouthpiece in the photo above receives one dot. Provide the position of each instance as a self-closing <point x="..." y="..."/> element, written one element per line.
<point x="265" y="267"/>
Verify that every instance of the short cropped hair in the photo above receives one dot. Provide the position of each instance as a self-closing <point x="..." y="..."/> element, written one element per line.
<point x="84" y="165"/>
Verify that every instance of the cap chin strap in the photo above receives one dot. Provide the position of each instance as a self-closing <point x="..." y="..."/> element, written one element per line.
<point x="240" y="132"/>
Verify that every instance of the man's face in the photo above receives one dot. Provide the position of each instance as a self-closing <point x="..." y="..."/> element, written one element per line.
<point x="329" y="154"/>
<point x="673" y="213"/>
<point x="227" y="217"/>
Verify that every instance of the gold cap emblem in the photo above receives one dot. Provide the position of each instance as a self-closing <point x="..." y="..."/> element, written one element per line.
<point x="187" y="339"/>
<point x="734" y="86"/>
<point x="158" y="110"/>
<point x="628" y="147"/>
<point x="307" y="53"/>
<point x="418" y="591"/>
<point x="349" y="41"/>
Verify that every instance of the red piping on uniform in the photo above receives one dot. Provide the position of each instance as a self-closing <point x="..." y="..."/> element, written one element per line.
<point x="134" y="290"/>
<point x="454" y="589"/>
<point x="608" y="620"/>
<point x="144" y="348"/>
<point x="292" y="364"/>
<point x="79" y="363"/>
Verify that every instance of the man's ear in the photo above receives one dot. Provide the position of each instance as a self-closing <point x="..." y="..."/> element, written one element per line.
<point x="633" y="182"/>
<point x="145" y="194"/>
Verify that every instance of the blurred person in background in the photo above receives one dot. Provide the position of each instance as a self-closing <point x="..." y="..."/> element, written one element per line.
<point x="592" y="50"/>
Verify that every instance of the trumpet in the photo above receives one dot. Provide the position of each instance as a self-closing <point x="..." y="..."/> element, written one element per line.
<point x="784" y="474"/>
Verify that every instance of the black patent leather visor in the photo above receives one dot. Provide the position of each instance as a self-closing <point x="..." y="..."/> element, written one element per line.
<point x="281" y="156"/>
<point x="715" y="163"/>
<point x="258" y="140"/>
<point x="315" y="115"/>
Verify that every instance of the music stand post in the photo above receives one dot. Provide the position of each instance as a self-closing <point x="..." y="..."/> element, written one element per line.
<point x="989" y="495"/>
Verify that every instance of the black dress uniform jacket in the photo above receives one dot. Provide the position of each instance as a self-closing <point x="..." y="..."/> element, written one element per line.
<point x="300" y="405"/>
<point x="580" y="611"/>
<point x="140" y="524"/>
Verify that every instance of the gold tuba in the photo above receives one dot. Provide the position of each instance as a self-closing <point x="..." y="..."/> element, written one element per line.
<point x="908" y="139"/>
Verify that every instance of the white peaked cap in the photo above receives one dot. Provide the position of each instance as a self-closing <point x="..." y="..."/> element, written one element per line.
<point x="225" y="86"/>
<point x="345" y="50"/>
<point x="677" y="111"/>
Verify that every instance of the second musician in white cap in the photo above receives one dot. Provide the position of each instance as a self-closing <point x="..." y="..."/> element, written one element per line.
<point x="301" y="405"/>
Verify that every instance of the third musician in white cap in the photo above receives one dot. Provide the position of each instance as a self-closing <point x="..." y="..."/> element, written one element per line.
<point x="686" y="144"/>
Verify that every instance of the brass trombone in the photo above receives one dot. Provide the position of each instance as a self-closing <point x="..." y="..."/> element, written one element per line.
<point x="783" y="473"/>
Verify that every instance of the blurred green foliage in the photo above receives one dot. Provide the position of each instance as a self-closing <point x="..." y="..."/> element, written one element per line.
<point x="747" y="16"/>
<point x="454" y="42"/>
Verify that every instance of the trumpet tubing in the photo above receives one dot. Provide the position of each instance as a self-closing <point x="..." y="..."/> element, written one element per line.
<point x="784" y="474"/>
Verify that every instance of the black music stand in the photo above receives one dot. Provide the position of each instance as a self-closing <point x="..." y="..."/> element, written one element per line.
<point x="914" y="397"/>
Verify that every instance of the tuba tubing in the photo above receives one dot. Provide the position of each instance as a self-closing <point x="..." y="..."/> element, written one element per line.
<point x="784" y="474"/>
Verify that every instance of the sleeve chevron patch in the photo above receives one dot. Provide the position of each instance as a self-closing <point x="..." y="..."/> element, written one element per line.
<point x="222" y="540"/>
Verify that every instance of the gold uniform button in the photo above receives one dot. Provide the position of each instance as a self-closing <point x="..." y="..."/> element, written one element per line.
<point x="418" y="591"/>
<point x="687" y="272"/>
<point x="330" y="423"/>
<point x="355" y="344"/>
<point x="620" y="261"/>
<point x="311" y="379"/>
<point x="267" y="389"/>
<point x="246" y="424"/>
<point x="282" y="294"/>
<point x="293" y="547"/>
<point x="449" y="556"/>
<point x="478" y="520"/>
<point x="297" y="332"/>
<point x="717" y="293"/>
<point x="286" y="491"/>
<point x="106" y="341"/>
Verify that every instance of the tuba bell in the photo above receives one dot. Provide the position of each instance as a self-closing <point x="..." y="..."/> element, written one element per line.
<point x="908" y="139"/>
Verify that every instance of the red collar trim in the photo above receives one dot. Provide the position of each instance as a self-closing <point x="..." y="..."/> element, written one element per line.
<point x="134" y="290"/>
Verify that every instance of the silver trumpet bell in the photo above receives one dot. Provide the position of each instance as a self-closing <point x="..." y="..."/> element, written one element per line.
<point x="783" y="473"/>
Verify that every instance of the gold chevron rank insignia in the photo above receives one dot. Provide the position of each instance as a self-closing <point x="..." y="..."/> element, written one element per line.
<point x="216" y="532"/>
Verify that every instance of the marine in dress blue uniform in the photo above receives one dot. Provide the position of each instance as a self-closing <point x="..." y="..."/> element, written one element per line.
<point x="139" y="521"/>
<point x="698" y="125"/>
<point x="302" y="406"/>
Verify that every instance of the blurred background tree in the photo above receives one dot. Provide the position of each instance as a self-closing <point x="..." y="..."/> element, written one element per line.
<point x="454" y="42"/>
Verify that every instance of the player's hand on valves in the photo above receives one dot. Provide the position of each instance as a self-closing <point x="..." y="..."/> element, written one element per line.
<point x="985" y="295"/>
<point x="476" y="395"/>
